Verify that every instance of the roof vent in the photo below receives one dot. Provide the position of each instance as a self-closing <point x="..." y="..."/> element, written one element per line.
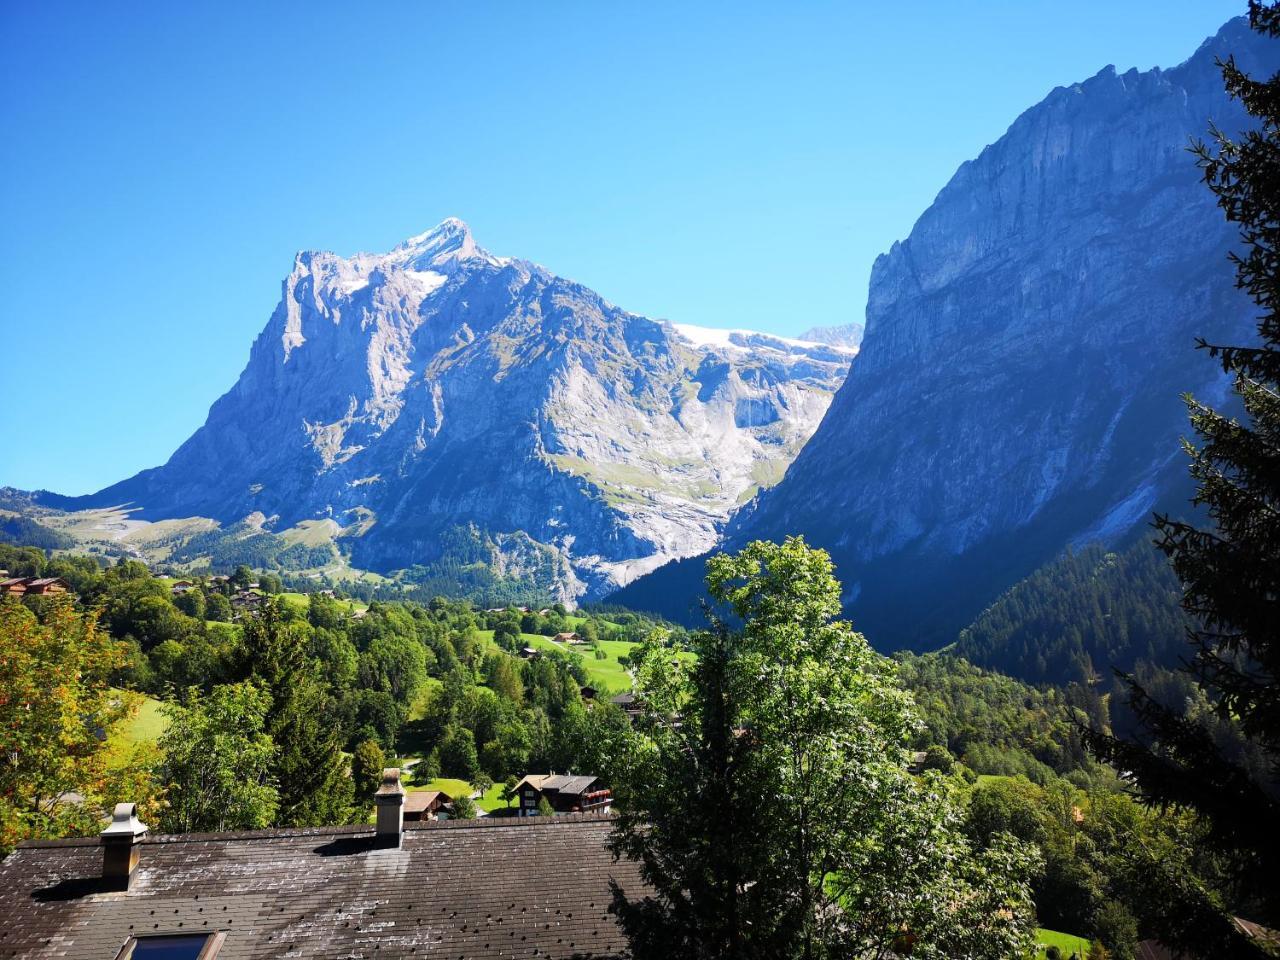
<point x="389" y="801"/>
<point x="120" y="843"/>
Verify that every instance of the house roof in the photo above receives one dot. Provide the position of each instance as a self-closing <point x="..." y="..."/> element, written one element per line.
<point x="420" y="800"/>
<point x="559" y="782"/>
<point x="568" y="784"/>
<point x="486" y="888"/>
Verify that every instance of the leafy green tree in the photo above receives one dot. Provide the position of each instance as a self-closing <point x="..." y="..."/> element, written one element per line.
<point x="544" y="808"/>
<point x="242" y="577"/>
<point x="218" y="607"/>
<point x="367" y="764"/>
<point x="773" y="813"/>
<point x="509" y="791"/>
<point x="307" y="766"/>
<point x="464" y="808"/>
<point x="458" y="754"/>
<point x="217" y="760"/>
<point x="58" y="717"/>
<point x="192" y="603"/>
<point x="1230" y="571"/>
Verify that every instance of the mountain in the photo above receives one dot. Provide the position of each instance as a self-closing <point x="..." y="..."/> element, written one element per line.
<point x="1018" y="387"/>
<point x="440" y="405"/>
<point x="845" y="335"/>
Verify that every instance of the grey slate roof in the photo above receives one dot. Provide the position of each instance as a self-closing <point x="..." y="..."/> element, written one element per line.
<point x="566" y="784"/>
<point x="536" y="887"/>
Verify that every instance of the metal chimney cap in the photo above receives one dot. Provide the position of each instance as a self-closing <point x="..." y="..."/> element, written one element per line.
<point x="125" y="824"/>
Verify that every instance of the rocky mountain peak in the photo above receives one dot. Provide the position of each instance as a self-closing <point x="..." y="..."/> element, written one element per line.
<point x="443" y="246"/>
<point x="402" y="397"/>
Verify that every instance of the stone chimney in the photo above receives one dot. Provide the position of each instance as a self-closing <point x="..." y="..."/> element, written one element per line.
<point x="120" y="843"/>
<point x="389" y="801"/>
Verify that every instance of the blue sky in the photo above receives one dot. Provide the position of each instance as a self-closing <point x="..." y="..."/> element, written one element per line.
<point x="739" y="164"/>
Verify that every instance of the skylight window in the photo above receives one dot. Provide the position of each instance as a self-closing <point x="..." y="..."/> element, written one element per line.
<point x="177" y="947"/>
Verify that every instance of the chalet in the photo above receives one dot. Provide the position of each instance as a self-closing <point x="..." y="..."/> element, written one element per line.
<point x="14" y="586"/>
<point x="1155" y="950"/>
<point x="425" y="805"/>
<point x="564" y="792"/>
<point x="219" y="578"/>
<point x="43" y="585"/>
<point x="181" y="586"/>
<point x="530" y="653"/>
<point x="916" y="764"/>
<point x="629" y="704"/>
<point x="545" y="612"/>
<point x="569" y="638"/>
<point x="390" y="890"/>
<point x="33" y="586"/>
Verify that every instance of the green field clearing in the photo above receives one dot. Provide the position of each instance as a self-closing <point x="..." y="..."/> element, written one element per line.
<point x="491" y="800"/>
<point x="300" y="602"/>
<point x="147" y="726"/>
<point x="1063" y="941"/>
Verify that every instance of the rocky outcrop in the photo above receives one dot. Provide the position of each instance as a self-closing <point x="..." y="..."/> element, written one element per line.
<point x="1018" y="386"/>
<point x="436" y="387"/>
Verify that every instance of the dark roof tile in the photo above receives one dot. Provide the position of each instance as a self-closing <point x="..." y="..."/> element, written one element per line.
<point x="475" y="888"/>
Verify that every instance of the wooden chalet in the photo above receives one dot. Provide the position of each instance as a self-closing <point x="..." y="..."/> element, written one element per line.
<point x="629" y="703"/>
<point x="33" y="586"/>
<point x="425" y="805"/>
<point x="530" y="653"/>
<point x="571" y="637"/>
<point x="565" y="793"/>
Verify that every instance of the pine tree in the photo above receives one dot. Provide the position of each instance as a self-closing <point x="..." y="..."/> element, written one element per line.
<point x="308" y="768"/>
<point x="1231" y="571"/>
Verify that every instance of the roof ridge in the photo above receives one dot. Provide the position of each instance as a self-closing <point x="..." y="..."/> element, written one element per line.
<point x="354" y="829"/>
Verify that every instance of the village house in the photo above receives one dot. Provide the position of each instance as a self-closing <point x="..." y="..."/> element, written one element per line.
<point x="180" y="587"/>
<point x="390" y="890"/>
<point x="425" y="805"/>
<point x="629" y="703"/>
<point x="564" y="792"/>
<point x="530" y="653"/>
<point x="33" y="586"/>
<point x="573" y="638"/>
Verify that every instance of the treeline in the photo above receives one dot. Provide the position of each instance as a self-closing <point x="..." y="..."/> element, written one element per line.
<point x="996" y="725"/>
<point x="1082" y="616"/>
<point x="298" y="683"/>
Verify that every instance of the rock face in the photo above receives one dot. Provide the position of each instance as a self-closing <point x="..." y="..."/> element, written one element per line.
<point x="1026" y="346"/>
<point x="437" y="388"/>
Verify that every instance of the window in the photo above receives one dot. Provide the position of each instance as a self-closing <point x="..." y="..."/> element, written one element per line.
<point x="172" y="947"/>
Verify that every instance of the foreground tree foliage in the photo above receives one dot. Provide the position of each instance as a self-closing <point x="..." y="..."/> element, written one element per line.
<point x="770" y="808"/>
<point x="60" y="766"/>
<point x="1230" y="572"/>
<point x="217" y="762"/>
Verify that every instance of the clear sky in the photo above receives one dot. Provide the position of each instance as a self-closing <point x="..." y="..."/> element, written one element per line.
<point x="725" y="164"/>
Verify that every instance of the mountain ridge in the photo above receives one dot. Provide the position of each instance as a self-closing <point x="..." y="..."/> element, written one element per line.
<point x="407" y="394"/>
<point x="1018" y="387"/>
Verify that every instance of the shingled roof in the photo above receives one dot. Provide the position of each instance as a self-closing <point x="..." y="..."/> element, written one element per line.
<point x="462" y="889"/>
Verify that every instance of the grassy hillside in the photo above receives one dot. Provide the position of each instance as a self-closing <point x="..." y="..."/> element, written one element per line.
<point x="1063" y="941"/>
